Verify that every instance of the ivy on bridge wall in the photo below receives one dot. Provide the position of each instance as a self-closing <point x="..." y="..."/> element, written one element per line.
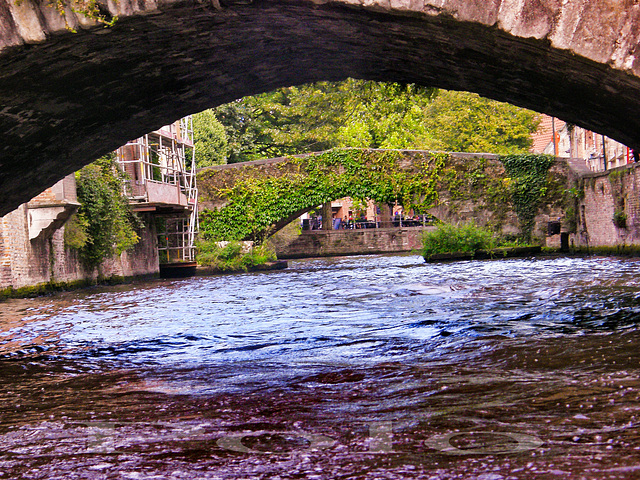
<point x="255" y="203"/>
<point x="519" y="186"/>
<point x="249" y="202"/>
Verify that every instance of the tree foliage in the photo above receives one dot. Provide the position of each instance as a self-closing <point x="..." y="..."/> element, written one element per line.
<point x="364" y="114"/>
<point x="104" y="224"/>
<point x="321" y="116"/>
<point x="466" y="122"/>
<point x="210" y="139"/>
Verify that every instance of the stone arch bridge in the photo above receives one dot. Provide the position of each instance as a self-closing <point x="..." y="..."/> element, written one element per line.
<point x="252" y="200"/>
<point x="67" y="98"/>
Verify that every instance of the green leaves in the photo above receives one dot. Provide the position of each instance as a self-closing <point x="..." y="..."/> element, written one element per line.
<point x="104" y="225"/>
<point x="364" y="114"/>
<point x="210" y="139"/>
<point x="324" y="115"/>
<point x="466" y="122"/>
<point x="232" y="257"/>
<point x="448" y="238"/>
<point x="529" y="185"/>
<point x="256" y="203"/>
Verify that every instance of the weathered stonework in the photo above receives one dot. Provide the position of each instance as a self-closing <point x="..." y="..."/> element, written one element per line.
<point x="46" y="261"/>
<point x="353" y="242"/>
<point x="604" y="194"/>
<point x="67" y="98"/>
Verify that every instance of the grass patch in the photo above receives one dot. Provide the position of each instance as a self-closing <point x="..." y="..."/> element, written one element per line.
<point x="233" y="256"/>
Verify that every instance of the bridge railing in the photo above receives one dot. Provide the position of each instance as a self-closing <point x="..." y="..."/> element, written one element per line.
<point x="398" y="221"/>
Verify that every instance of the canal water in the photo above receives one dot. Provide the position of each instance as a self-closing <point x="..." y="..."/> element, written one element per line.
<point x="377" y="367"/>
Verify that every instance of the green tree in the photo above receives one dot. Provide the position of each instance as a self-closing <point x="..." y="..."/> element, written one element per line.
<point x="365" y="114"/>
<point x="210" y="139"/>
<point x="321" y="116"/>
<point x="466" y="122"/>
<point x="104" y="224"/>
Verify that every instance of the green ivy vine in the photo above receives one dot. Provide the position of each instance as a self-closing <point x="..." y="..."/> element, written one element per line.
<point x="255" y="203"/>
<point x="528" y="174"/>
<point x="104" y="224"/>
<point x="91" y="9"/>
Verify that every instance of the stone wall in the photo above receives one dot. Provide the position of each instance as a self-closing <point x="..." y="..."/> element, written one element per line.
<point x="605" y="194"/>
<point x="46" y="260"/>
<point x="353" y="242"/>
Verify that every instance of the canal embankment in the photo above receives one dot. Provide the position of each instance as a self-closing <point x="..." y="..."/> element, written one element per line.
<point x="335" y="243"/>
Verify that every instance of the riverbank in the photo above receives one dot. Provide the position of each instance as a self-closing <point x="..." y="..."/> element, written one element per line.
<point x="204" y="271"/>
<point x="49" y="288"/>
<point x="492" y="254"/>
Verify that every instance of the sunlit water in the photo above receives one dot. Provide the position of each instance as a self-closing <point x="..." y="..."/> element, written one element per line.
<point x="365" y="367"/>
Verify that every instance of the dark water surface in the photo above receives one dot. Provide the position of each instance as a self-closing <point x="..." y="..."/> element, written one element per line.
<point x="376" y="367"/>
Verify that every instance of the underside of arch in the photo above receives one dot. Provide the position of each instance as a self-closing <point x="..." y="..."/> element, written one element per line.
<point x="75" y="97"/>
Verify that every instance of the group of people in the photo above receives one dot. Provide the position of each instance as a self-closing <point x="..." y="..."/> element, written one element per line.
<point x="349" y="223"/>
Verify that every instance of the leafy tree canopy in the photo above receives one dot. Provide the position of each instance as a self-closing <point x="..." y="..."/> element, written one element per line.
<point x="466" y="122"/>
<point x="358" y="113"/>
<point x="210" y="139"/>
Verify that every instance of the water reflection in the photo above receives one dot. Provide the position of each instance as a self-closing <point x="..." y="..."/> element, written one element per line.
<point x="370" y="367"/>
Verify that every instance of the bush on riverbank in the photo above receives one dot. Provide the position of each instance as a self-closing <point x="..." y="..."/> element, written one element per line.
<point x="447" y="238"/>
<point x="232" y="256"/>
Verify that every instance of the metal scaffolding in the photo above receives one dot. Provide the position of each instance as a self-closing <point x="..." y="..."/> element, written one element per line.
<point x="162" y="181"/>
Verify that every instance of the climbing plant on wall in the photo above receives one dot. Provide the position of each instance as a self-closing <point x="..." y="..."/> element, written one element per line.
<point x="528" y="174"/>
<point x="104" y="224"/>
<point x="90" y="9"/>
<point x="252" y="202"/>
<point x="255" y="203"/>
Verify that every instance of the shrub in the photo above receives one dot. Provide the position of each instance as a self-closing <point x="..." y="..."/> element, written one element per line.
<point x="620" y="219"/>
<point x="447" y="238"/>
<point x="104" y="225"/>
<point x="231" y="256"/>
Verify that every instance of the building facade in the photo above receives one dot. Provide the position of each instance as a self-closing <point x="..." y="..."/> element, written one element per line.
<point x="600" y="153"/>
<point x="160" y="167"/>
<point x="162" y="191"/>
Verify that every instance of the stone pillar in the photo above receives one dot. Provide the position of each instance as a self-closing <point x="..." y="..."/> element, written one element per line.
<point x="327" y="217"/>
<point x="384" y="219"/>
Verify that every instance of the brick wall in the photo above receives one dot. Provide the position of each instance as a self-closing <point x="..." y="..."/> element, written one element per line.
<point x="604" y="194"/>
<point x="15" y="234"/>
<point x="62" y="192"/>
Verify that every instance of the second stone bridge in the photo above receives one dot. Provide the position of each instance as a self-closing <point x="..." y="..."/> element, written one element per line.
<point x="252" y="200"/>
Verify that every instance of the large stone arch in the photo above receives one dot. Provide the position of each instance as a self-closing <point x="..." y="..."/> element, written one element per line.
<point x="67" y="98"/>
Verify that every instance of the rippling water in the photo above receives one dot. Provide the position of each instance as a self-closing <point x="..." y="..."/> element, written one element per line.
<point x="363" y="367"/>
